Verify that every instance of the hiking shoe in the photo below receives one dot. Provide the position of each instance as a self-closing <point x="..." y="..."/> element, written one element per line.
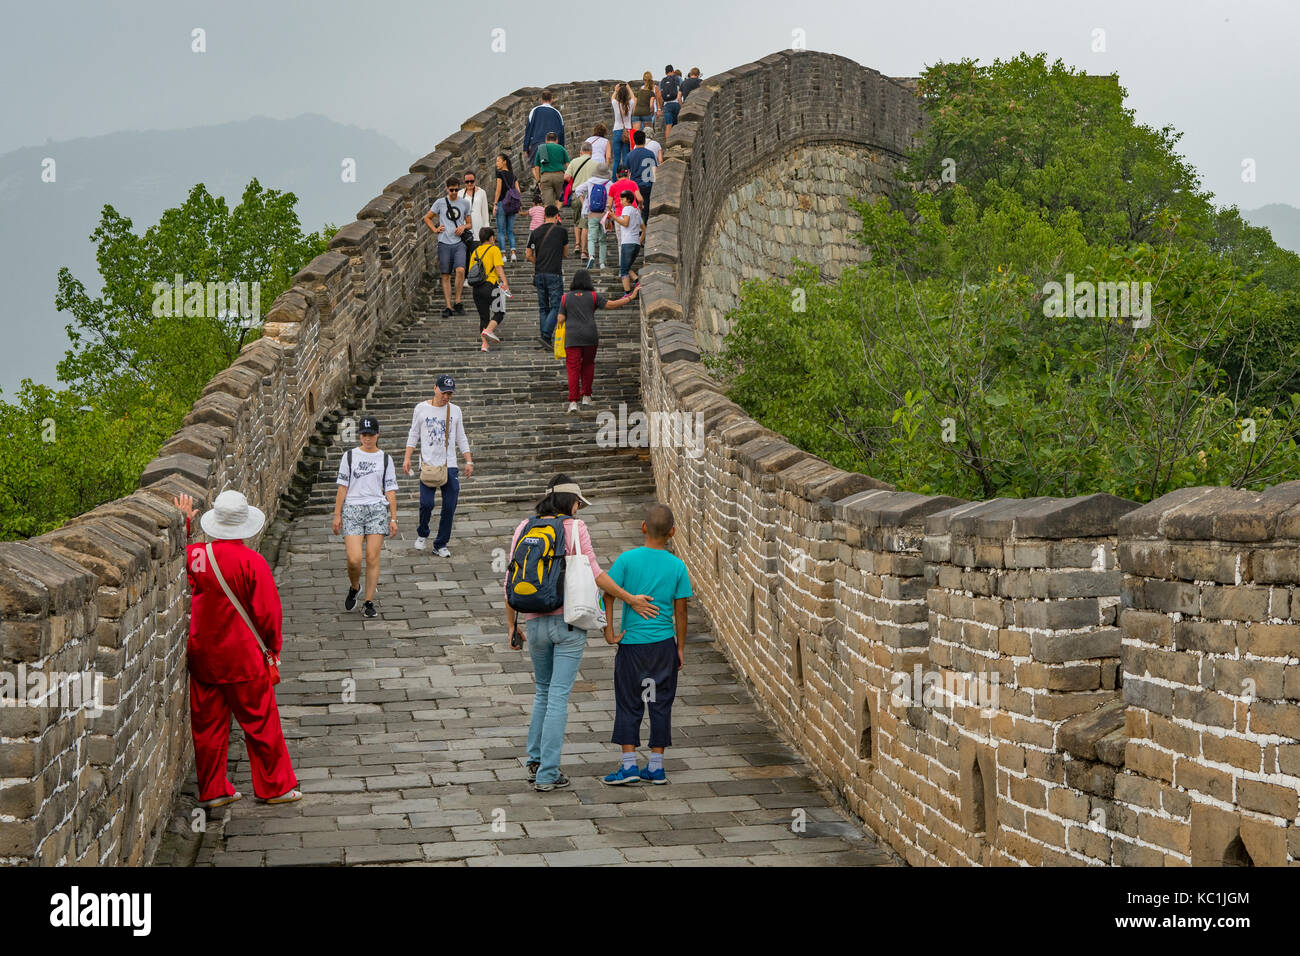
<point x="573" y="406"/>
<point x="446" y="313"/>
<point x="483" y="347"/>
<point x="419" y="543"/>
<point x="442" y="552"/>
<point x="653" y="776"/>
<point x="586" y="399"/>
<point x="216" y="802"/>
<point x="560" y="783"/>
<point x="546" y="343"/>
<point x="622" y="775"/>
<point x="460" y="308"/>
<point x="368" y="609"/>
<point x="590" y="264"/>
<point x="350" y="602"/>
<point x="512" y="256"/>
<point x="532" y="770"/>
<point x="492" y="335"/>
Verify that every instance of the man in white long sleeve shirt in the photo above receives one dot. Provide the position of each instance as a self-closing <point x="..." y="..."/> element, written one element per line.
<point x="438" y="431"/>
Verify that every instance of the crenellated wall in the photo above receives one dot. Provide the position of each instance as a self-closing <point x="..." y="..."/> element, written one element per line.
<point x="1042" y="681"/>
<point x="107" y="594"/>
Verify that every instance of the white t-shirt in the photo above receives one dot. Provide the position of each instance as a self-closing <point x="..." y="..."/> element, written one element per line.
<point x="478" y="208"/>
<point x="599" y="149"/>
<point x="429" y="435"/>
<point x="364" y="483"/>
<point x="630" y="235"/>
<point x="654" y="147"/>
<point x="622" y="120"/>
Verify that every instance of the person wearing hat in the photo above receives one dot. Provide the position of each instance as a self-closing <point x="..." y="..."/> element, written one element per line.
<point x="433" y="425"/>
<point x="555" y="647"/>
<point x="594" y="194"/>
<point x="365" y="510"/>
<point x="233" y="653"/>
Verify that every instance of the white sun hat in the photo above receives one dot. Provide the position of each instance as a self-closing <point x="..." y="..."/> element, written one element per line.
<point x="232" y="518"/>
<point x="572" y="489"/>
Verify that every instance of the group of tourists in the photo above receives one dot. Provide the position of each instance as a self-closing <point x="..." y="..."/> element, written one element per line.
<point x="236" y="634"/>
<point x="602" y="193"/>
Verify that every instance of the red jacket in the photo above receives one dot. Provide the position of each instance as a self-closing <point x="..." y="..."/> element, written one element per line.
<point x="221" y="650"/>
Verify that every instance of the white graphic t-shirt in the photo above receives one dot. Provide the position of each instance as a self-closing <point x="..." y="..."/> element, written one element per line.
<point x="368" y="479"/>
<point x="429" y="434"/>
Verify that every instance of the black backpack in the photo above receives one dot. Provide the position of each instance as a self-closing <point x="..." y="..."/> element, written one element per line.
<point x="668" y="88"/>
<point x="535" y="578"/>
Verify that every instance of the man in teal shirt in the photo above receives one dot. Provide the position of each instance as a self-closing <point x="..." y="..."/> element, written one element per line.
<point x="549" y="163"/>
<point x="650" y="650"/>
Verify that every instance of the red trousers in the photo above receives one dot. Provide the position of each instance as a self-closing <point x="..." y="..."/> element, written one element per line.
<point x="253" y="704"/>
<point x="580" y="361"/>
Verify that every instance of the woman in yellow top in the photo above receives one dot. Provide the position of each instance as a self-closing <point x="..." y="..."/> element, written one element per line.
<point x="490" y="296"/>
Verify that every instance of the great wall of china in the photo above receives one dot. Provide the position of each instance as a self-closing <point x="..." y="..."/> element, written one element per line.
<point x="1148" y="704"/>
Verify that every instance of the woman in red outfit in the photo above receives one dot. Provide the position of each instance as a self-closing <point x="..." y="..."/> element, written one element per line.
<point x="229" y="672"/>
<point x="578" y="313"/>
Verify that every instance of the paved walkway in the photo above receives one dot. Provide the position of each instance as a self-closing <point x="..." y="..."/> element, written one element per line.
<point x="407" y="731"/>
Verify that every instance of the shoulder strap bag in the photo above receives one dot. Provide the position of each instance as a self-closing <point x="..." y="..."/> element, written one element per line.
<point x="272" y="663"/>
<point x="435" y="476"/>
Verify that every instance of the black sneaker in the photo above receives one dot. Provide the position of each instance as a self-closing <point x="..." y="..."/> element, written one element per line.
<point x="350" y="602"/>
<point x="446" y="313"/>
<point x="532" y="771"/>
<point x="561" y="782"/>
<point x="546" y="343"/>
<point x="460" y="308"/>
<point x="368" y="609"/>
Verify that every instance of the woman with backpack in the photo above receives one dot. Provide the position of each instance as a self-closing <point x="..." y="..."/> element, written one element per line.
<point x="487" y="274"/>
<point x="578" y="313"/>
<point x="622" y="138"/>
<point x="506" y="203"/>
<point x="555" y="647"/>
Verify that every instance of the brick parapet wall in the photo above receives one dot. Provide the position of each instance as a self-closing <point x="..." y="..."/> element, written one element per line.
<point x="107" y="592"/>
<point x="1058" y="719"/>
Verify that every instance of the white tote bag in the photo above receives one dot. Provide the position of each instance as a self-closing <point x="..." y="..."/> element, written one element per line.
<point x="582" y="607"/>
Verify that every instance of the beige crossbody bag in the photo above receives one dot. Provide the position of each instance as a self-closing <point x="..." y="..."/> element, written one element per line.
<point x="435" y="476"/>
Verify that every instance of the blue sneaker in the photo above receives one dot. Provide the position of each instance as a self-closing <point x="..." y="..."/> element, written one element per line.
<point x="653" y="776"/>
<point x="622" y="775"/>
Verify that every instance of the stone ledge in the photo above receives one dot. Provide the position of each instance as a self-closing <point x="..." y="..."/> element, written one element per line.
<point x="1082" y="737"/>
<point x="320" y="269"/>
<point x="353" y="235"/>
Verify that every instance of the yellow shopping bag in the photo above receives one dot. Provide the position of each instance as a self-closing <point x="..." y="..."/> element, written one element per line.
<point x="559" y="339"/>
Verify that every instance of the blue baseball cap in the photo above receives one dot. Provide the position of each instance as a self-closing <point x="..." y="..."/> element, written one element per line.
<point x="446" y="383"/>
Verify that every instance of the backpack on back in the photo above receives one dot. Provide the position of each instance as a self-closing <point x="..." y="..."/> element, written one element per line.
<point x="598" y="197"/>
<point x="535" y="578"/>
<point x="668" y="87"/>
<point x="477" y="274"/>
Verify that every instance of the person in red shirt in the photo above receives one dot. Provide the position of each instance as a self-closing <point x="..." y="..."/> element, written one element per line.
<point x="624" y="184"/>
<point x="229" y="671"/>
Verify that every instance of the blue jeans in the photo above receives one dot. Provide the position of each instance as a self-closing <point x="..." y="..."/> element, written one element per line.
<point x="620" y="154"/>
<point x="549" y="289"/>
<point x="556" y="652"/>
<point x="429" y="498"/>
<point x="505" y="228"/>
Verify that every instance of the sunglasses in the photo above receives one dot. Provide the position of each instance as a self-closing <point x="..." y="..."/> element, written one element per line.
<point x="469" y="182"/>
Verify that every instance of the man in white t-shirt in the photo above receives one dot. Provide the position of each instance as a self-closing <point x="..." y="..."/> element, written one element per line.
<point x="367" y="496"/>
<point x="438" y="430"/>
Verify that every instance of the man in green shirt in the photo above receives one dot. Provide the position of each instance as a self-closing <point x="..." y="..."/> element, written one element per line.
<point x="548" y="170"/>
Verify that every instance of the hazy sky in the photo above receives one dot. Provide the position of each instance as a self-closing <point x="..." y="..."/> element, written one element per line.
<point x="1225" y="74"/>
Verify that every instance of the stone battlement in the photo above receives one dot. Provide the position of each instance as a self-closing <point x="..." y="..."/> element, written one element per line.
<point x="1147" y="703"/>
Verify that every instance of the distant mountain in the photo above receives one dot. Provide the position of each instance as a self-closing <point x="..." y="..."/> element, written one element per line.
<point x="1280" y="219"/>
<point x="47" y="225"/>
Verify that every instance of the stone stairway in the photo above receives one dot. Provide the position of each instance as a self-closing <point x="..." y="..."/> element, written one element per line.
<point x="514" y="397"/>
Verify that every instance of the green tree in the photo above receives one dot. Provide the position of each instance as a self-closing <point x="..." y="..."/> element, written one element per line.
<point x="133" y="370"/>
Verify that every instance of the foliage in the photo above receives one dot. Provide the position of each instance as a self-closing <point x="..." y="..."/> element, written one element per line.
<point x="133" y="370"/>
<point x="942" y="363"/>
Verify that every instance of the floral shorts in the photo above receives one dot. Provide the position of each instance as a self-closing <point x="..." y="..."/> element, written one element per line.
<point x="365" y="519"/>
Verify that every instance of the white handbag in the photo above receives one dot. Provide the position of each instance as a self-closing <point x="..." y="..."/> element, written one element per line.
<point x="582" y="606"/>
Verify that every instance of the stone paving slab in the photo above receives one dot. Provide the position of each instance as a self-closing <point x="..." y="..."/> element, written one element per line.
<point x="407" y="730"/>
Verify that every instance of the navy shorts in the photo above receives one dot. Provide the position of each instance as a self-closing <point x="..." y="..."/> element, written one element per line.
<point x="670" y="113"/>
<point x="451" y="256"/>
<point x="645" y="675"/>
